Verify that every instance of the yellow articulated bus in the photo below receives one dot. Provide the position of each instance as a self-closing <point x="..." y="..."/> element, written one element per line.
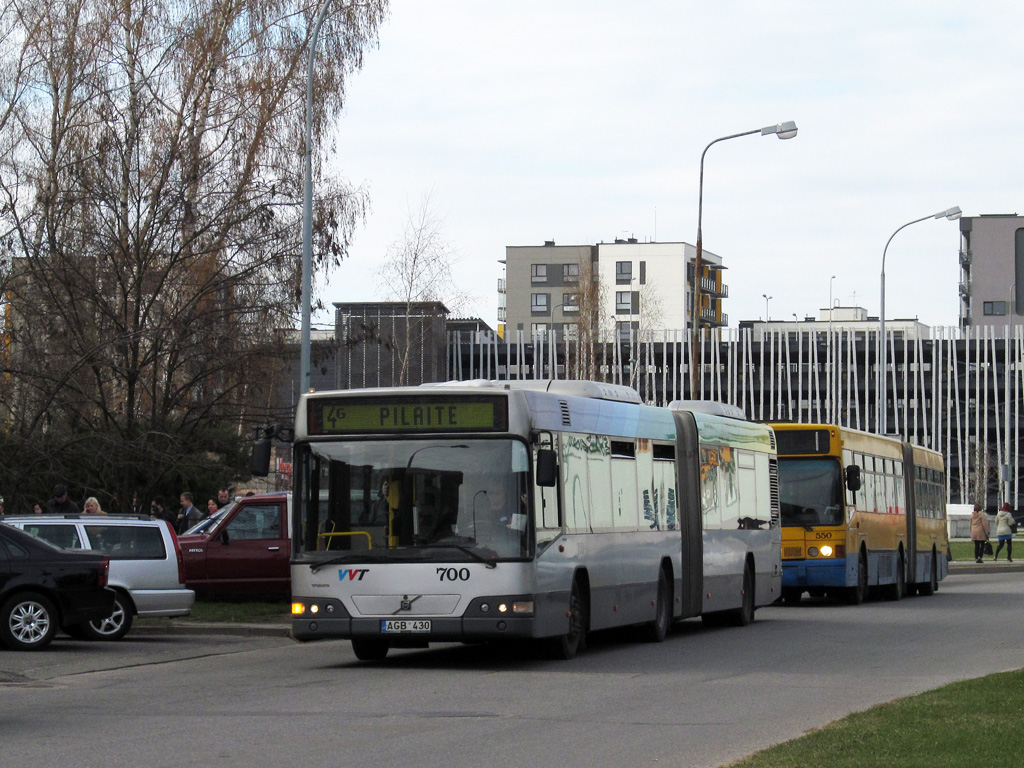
<point x="859" y="512"/>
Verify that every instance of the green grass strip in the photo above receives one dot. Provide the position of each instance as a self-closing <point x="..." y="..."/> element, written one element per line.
<point x="974" y="723"/>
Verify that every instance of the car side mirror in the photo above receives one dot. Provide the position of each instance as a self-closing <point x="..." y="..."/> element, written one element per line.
<point x="853" y="478"/>
<point x="547" y="468"/>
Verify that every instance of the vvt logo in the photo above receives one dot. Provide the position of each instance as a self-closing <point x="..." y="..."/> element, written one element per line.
<point x="352" y="574"/>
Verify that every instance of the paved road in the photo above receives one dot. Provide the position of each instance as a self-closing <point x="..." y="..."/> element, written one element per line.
<point x="699" y="699"/>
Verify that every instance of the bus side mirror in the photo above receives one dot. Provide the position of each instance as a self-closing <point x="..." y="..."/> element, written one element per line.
<point x="547" y="468"/>
<point x="259" y="465"/>
<point x="853" y="478"/>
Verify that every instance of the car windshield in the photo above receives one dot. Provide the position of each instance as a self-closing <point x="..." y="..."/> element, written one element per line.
<point x="811" y="492"/>
<point x="421" y="500"/>
<point x="207" y="523"/>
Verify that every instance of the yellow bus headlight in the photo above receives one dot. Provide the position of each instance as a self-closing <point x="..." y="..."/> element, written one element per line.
<point x="826" y="551"/>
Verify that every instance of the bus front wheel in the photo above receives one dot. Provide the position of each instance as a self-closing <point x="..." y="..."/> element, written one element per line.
<point x="575" y="640"/>
<point x="856" y="594"/>
<point x="368" y="649"/>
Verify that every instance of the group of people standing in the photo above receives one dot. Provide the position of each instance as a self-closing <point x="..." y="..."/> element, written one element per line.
<point x="181" y="519"/>
<point x="188" y="514"/>
<point x="1006" y="527"/>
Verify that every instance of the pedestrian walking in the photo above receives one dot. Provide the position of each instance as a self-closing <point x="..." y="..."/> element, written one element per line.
<point x="979" y="531"/>
<point x="1006" y="526"/>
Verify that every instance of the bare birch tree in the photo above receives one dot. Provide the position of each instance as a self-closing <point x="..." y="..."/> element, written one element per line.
<point x="418" y="270"/>
<point x="150" y="200"/>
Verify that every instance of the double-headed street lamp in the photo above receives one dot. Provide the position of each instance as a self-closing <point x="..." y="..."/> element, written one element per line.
<point x="307" y="208"/>
<point x="951" y="214"/>
<point x="786" y="130"/>
<point x="767" y="298"/>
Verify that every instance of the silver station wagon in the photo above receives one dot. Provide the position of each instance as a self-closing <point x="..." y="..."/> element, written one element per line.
<point x="146" y="569"/>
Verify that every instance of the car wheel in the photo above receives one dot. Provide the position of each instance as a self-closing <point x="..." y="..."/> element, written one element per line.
<point x="29" y="622"/>
<point x="115" y="626"/>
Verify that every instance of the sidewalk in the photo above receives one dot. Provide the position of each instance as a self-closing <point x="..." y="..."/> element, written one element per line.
<point x="988" y="566"/>
<point x="186" y="627"/>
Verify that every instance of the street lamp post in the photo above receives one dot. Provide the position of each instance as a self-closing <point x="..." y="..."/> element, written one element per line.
<point x="833" y="384"/>
<point x="1007" y="401"/>
<point x="786" y="130"/>
<point x="949" y="213"/>
<point x="767" y="298"/>
<point x="307" y="207"/>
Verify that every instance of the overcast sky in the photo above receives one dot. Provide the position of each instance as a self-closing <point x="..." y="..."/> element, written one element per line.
<point x="581" y="121"/>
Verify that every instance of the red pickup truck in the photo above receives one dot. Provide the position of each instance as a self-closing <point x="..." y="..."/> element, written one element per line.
<point x="242" y="551"/>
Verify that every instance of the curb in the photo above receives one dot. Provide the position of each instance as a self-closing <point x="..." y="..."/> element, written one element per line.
<point x="987" y="566"/>
<point x="213" y="628"/>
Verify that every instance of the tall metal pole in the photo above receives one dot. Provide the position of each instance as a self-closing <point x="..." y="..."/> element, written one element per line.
<point x="307" y="208"/>
<point x="786" y="130"/>
<point x="1007" y="401"/>
<point x="880" y="421"/>
<point x="832" y="377"/>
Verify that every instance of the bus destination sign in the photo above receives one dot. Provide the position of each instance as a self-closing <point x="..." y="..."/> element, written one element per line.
<point x="362" y="416"/>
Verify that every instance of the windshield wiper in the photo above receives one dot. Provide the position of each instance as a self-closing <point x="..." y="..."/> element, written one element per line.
<point x="462" y="548"/>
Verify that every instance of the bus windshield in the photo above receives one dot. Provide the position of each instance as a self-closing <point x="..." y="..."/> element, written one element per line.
<point x="811" y="492"/>
<point x="444" y="500"/>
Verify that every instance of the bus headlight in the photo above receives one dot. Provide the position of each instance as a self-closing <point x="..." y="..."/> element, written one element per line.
<point x="826" y="551"/>
<point x="298" y="609"/>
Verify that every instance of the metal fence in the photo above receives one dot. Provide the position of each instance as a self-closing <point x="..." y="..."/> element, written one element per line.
<point x="955" y="391"/>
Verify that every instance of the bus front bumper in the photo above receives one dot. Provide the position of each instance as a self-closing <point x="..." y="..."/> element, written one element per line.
<point x="814" y="573"/>
<point x="332" y="621"/>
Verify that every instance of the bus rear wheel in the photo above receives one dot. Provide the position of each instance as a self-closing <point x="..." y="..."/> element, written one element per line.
<point x="928" y="588"/>
<point x="657" y="630"/>
<point x="368" y="649"/>
<point x="744" y="615"/>
<point x="896" y="590"/>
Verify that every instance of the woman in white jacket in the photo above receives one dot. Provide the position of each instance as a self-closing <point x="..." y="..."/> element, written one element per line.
<point x="1004" y="531"/>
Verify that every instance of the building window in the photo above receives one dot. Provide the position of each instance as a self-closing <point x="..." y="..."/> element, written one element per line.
<point x="570" y="332"/>
<point x="571" y="273"/>
<point x="623" y="302"/>
<point x="539" y="331"/>
<point x="623" y="330"/>
<point x="569" y="303"/>
<point x="623" y="272"/>
<point x="995" y="307"/>
<point x="539" y="273"/>
<point x="643" y="273"/>
<point x="539" y="302"/>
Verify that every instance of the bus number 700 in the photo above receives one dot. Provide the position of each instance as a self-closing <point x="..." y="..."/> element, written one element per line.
<point x="453" y="574"/>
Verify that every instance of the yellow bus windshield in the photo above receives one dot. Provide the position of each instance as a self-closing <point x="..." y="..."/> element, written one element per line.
<point x="811" y="492"/>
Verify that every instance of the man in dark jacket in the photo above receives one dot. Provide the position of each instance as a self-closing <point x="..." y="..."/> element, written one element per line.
<point x="60" y="504"/>
<point x="189" y="514"/>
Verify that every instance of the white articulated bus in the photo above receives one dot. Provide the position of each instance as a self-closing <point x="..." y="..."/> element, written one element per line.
<point x="525" y="510"/>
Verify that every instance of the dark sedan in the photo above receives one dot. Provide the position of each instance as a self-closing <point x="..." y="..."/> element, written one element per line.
<point x="44" y="588"/>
